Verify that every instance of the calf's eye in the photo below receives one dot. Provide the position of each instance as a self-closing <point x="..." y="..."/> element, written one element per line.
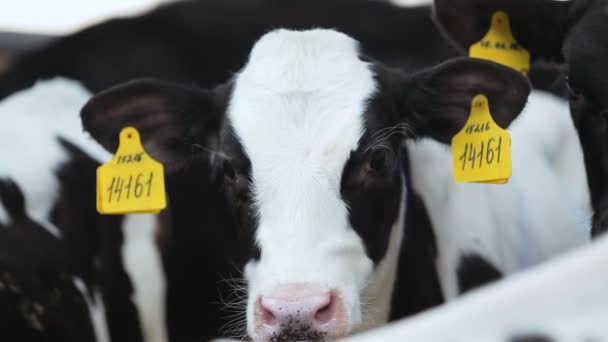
<point x="381" y="159"/>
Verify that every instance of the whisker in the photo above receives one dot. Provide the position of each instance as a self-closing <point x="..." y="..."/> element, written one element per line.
<point x="385" y="133"/>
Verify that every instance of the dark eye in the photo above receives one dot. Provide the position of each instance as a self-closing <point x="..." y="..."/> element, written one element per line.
<point x="381" y="159"/>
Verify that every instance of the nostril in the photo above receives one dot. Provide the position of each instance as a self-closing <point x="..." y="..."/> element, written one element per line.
<point x="326" y="313"/>
<point x="265" y="313"/>
<point x="300" y="309"/>
<point x="268" y="317"/>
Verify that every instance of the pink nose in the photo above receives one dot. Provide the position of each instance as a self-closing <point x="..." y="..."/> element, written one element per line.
<point x="305" y="309"/>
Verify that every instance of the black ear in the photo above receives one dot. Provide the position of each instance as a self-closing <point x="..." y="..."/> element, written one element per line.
<point x="586" y="50"/>
<point x="173" y="120"/>
<point x="540" y="26"/>
<point x="439" y="99"/>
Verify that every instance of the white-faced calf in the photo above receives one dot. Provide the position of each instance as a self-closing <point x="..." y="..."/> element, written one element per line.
<point x="308" y="136"/>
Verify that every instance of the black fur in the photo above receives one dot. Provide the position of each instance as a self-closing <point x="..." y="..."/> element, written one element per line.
<point x="205" y="42"/>
<point x="474" y="271"/>
<point x="203" y="256"/>
<point x="586" y="51"/>
<point x="417" y="286"/>
<point x="38" y="299"/>
<point x="531" y="338"/>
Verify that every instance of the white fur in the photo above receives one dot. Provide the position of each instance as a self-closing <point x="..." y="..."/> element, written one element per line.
<point x="565" y="299"/>
<point x="143" y="265"/>
<point x="297" y="108"/>
<point x="97" y="312"/>
<point x="30" y="154"/>
<point x="544" y="210"/>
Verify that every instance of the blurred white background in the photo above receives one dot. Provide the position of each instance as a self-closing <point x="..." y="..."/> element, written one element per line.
<point x="64" y="16"/>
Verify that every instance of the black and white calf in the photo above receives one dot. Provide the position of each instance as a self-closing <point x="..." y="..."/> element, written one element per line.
<point x="308" y="140"/>
<point x="205" y="42"/>
<point x="570" y="32"/>
<point x="57" y="178"/>
<point x="50" y="164"/>
<point x="135" y="271"/>
<point x="136" y="262"/>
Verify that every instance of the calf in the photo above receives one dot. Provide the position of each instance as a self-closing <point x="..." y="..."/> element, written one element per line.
<point x="115" y="260"/>
<point x="204" y="42"/>
<point x="51" y="163"/>
<point x="570" y="32"/>
<point x="134" y="268"/>
<point x="307" y="138"/>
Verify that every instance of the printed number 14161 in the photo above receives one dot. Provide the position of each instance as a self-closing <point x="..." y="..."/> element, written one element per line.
<point x="477" y="155"/>
<point x="133" y="186"/>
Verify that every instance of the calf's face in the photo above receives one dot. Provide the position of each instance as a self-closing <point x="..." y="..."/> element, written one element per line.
<point x="308" y="137"/>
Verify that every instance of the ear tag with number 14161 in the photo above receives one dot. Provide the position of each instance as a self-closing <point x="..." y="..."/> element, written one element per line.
<point x="481" y="151"/>
<point x="499" y="45"/>
<point x="132" y="182"/>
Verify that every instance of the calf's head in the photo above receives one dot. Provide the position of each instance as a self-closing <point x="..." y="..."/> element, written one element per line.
<point x="307" y="136"/>
<point x="569" y="32"/>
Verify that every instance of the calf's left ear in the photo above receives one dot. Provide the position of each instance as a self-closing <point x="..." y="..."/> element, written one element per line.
<point x="438" y="100"/>
<point x="170" y="118"/>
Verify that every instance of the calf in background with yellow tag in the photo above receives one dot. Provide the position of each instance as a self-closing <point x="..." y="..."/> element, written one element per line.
<point x="49" y="164"/>
<point x="306" y="141"/>
<point x="111" y="264"/>
<point x="572" y="35"/>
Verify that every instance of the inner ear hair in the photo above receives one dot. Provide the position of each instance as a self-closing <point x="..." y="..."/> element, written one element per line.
<point x="438" y="100"/>
<point x="171" y="118"/>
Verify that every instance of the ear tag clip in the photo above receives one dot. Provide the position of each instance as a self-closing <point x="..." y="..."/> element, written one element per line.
<point x="132" y="182"/>
<point x="499" y="45"/>
<point x="481" y="151"/>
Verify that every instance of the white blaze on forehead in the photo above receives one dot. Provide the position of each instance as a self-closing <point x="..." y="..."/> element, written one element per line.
<point x="297" y="108"/>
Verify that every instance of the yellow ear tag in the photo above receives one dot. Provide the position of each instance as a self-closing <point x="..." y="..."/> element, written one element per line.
<point x="132" y="182"/>
<point x="499" y="45"/>
<point x="481" y="151"/>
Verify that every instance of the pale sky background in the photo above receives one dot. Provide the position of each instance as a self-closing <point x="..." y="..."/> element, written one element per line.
<point x="65" y="16"/>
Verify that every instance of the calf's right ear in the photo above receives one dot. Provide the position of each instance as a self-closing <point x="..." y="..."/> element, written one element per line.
<point x="171" y="119"/>
<point x="540" y="26"/>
